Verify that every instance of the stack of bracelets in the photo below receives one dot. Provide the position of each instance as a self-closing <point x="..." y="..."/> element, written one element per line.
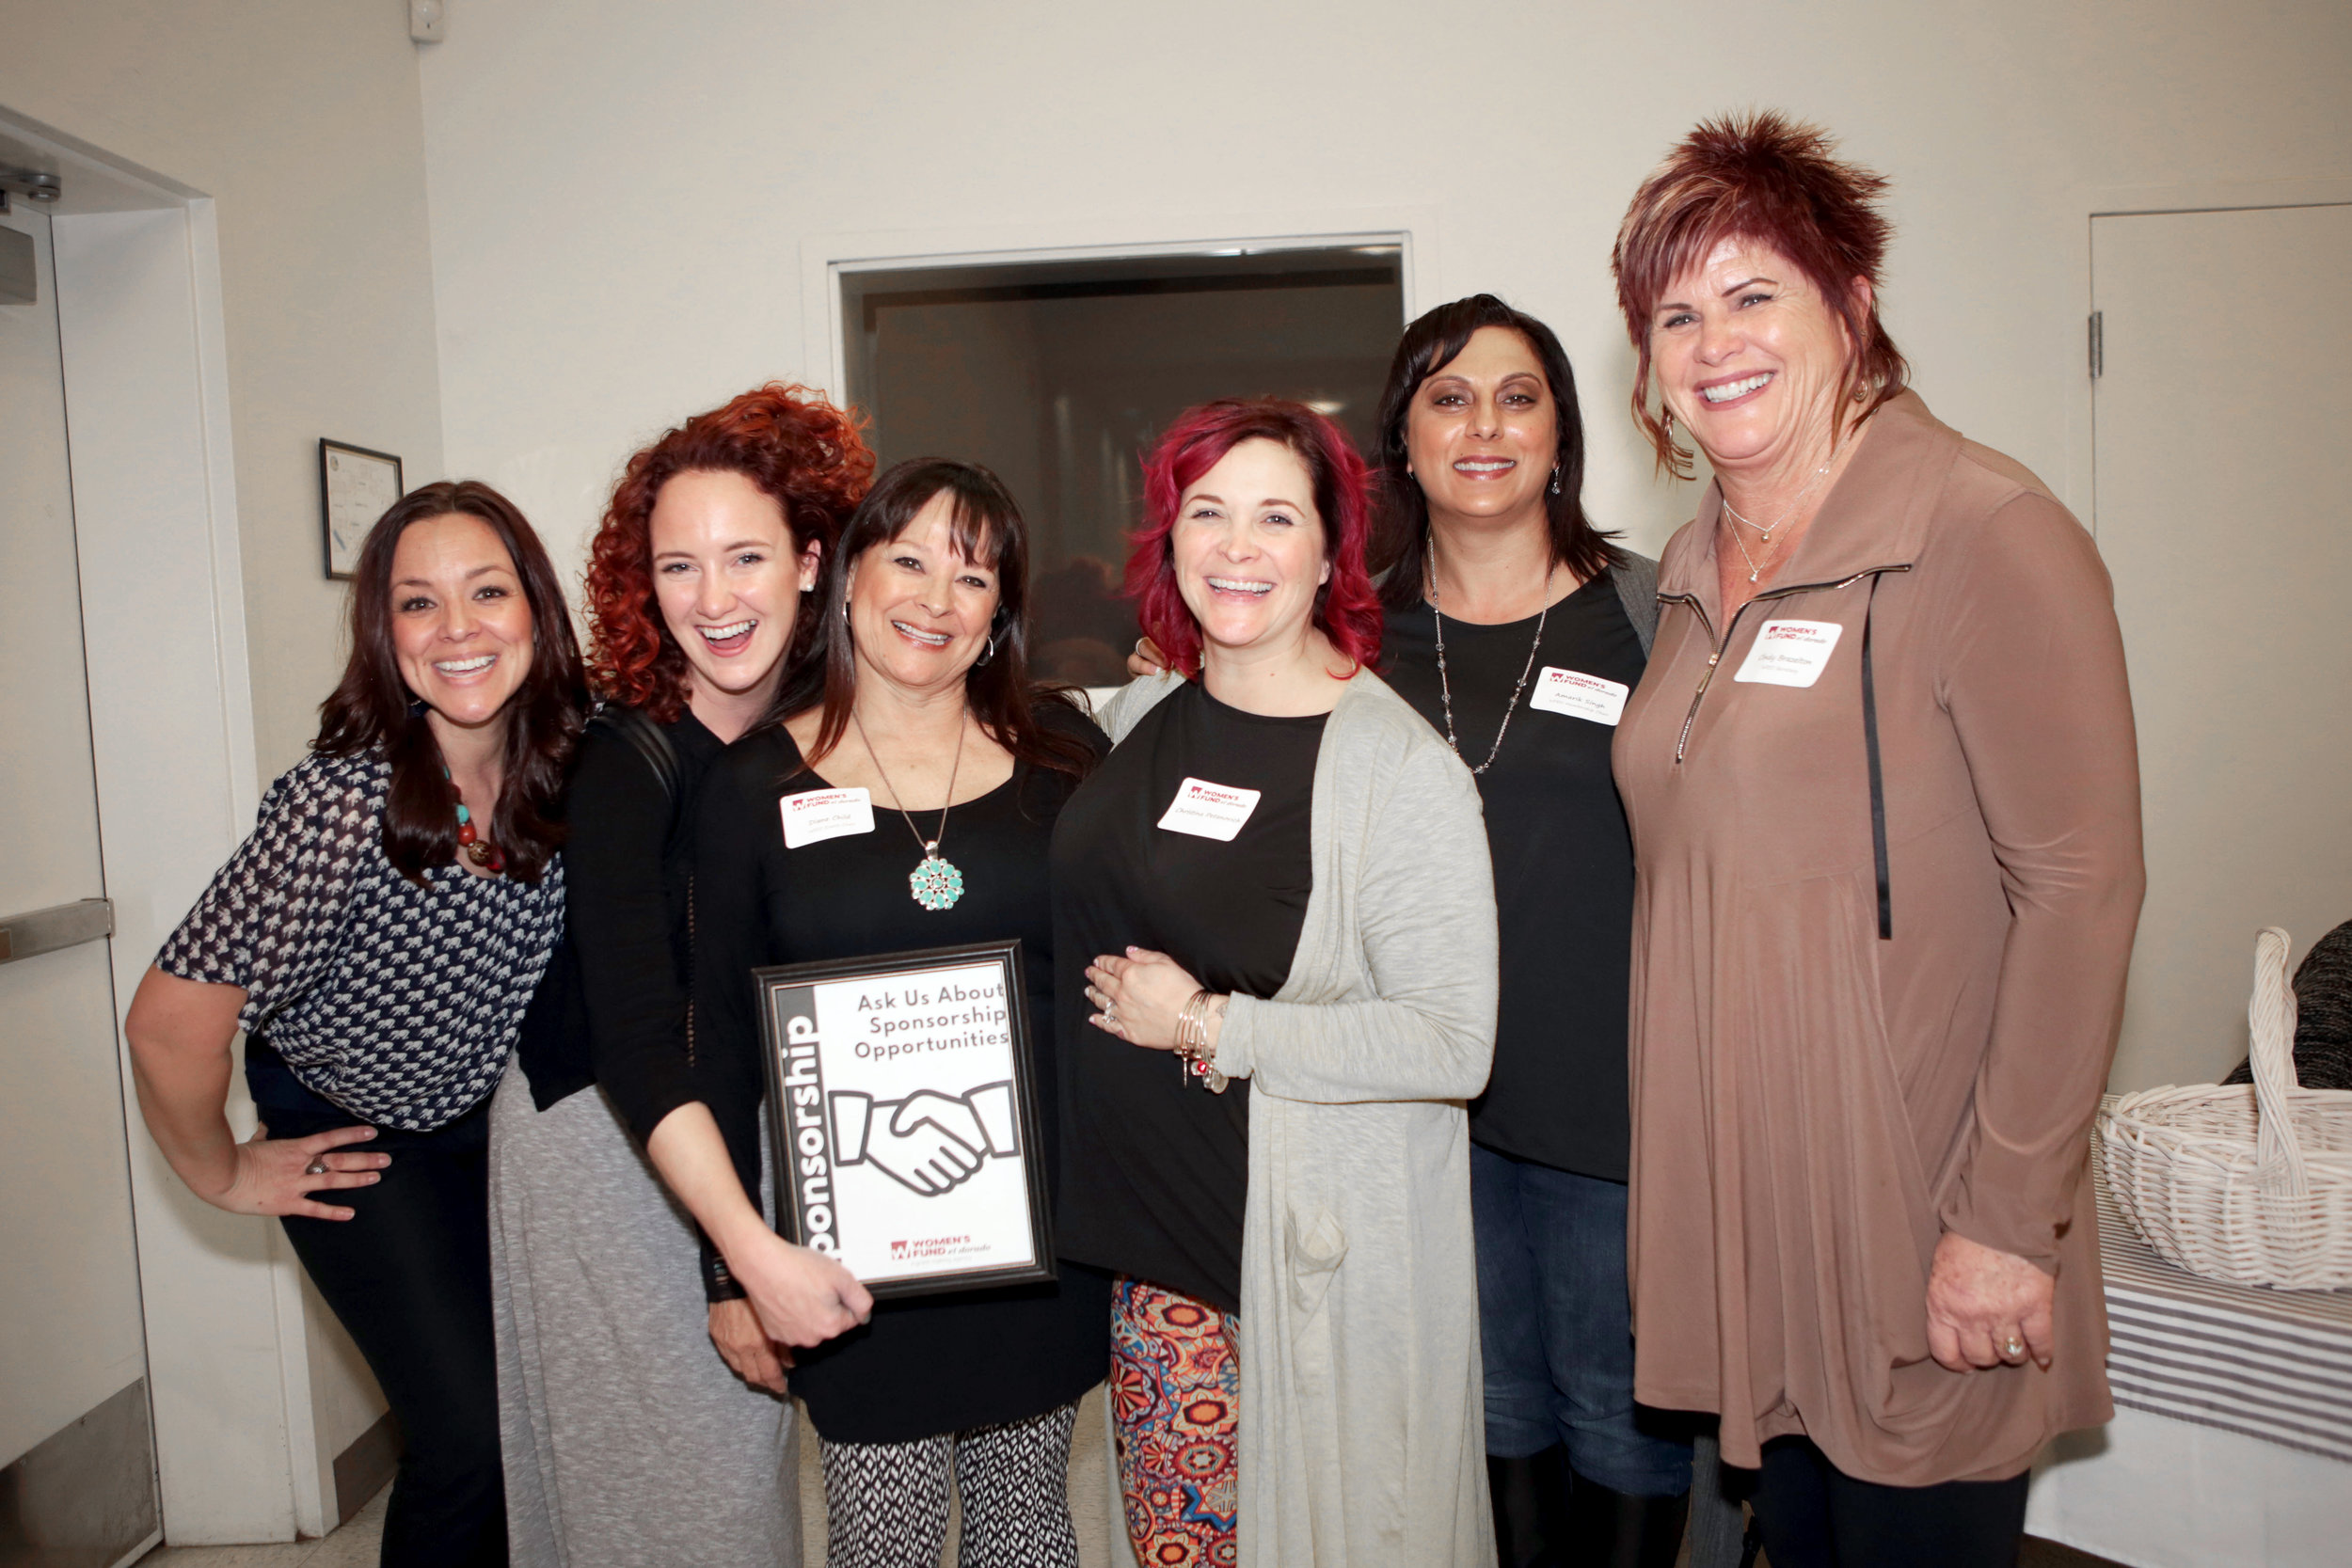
<point x="1192" y="1043"/>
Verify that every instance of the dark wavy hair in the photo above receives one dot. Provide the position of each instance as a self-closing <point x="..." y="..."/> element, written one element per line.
<point x="1766" y="178"/>
<point x="988" y="529"/>
<point x="1428" y="346"/>
<point x="1346" y="608"/>
<point x="372" y="709"/>
<point x="801" y="452"/>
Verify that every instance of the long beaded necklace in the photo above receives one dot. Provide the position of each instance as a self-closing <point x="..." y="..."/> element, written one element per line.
<point x="1445" y="686"/>
<point x="469" y="840"/>
<point x="934" y="884"/>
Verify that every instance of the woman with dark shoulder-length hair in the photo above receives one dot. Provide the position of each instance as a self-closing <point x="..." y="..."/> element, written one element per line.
<point x="1886" y="812"/>
<point x="918" y="703"/>
<point x="1275" y="894"/>
<point x="379" y="938"/>
<point x="626" y="1440"/>
<point x="1517" y="629"/>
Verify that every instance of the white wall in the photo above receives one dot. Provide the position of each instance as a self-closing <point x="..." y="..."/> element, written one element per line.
<point x="301" y="119"/>
<point x="296" y="289"/>
<point x="621" y="192"/>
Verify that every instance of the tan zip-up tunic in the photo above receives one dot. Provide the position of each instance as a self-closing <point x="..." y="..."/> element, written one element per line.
<point x="1813" y="1106"/>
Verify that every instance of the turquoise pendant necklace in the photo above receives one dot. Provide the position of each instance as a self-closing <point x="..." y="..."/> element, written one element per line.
<point x="934" y="884"/>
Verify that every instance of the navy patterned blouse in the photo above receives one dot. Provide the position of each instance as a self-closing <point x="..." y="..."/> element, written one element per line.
<point x="399" y="1003"/>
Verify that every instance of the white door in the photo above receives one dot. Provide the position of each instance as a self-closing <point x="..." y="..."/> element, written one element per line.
<point x="2224" y="511"/>
<point x="73" y="1407"/>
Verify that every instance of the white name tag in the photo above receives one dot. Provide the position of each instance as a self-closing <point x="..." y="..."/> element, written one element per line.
<point x="1208" y="810"/>
<point x="1579" y="695"/>
<point x="818" y="815"/>
<point x="1790" y="653"/>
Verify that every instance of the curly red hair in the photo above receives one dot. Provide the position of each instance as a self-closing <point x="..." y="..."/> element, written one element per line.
<point x="1347" y="608"/>
<point x="790" y="442"/>
<point x="1766" y="178"/>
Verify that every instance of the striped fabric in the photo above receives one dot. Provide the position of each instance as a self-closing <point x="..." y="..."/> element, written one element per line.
<point x="2275" y="1365"/>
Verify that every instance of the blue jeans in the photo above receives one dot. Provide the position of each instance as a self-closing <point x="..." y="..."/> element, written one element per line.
<point x="1557" y="1328"/>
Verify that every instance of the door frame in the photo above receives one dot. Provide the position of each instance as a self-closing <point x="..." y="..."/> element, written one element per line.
<point x="2091" y="202"/>
<point x="1107" y="237"/>
<point x="153" y="462"/>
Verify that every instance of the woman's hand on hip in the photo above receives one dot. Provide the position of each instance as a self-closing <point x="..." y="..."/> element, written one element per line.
<point x="277" y="1175"/>
<point x="802" y="1297"/>
<point x="745" y="1346"/>
<point x="1137" y="996"/>
<point x="1987" y="1307"/>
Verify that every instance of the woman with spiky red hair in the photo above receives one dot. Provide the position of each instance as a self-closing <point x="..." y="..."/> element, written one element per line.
<point x="1885" y="799"/>
<point x="1281" y="877"/>
<point x="626" y="1440"/>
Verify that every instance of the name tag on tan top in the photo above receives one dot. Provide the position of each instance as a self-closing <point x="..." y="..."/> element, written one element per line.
<point x="818" y="815"/>
<point x="1579" y="695"/>
<point x="1208" y="810"/>
<point x="1790" y="653"/>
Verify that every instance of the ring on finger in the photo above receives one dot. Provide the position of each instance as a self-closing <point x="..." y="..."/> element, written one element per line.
<point x="317" y="1165"/>
<point x="2012" y="1348"/>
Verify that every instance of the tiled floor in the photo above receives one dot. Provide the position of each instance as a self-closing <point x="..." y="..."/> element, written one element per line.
<point x="354" y="1545"/>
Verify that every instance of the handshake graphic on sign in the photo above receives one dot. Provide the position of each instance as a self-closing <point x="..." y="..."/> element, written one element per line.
<point x="927" y="1141"/>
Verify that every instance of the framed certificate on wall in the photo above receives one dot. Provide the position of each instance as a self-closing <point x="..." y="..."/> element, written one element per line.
<point x="904" y="1118"/>
<point x="355" y="487"/>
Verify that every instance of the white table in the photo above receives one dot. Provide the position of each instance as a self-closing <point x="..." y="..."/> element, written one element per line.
<point x="2232" y="1444"/>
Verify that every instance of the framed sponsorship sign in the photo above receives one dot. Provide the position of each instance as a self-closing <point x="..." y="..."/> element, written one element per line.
<point x="903" y="1116"/>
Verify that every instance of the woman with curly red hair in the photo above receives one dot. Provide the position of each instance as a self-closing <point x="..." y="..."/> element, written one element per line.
<point x="1282" y="874"/>
<point x="626" y="1440"/>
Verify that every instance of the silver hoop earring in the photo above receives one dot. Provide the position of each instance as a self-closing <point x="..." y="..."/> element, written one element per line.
<point x="988" y="654"/>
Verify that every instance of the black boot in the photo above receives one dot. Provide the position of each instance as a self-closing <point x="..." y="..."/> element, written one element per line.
<point x="1530" y="1502"/>
<point x="1616" y="1529"/>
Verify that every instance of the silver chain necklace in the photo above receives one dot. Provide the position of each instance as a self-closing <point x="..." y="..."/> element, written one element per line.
<point x="934" y="884"/>
<point x="1445" y="688"/>
<point x="1764" y="531"/>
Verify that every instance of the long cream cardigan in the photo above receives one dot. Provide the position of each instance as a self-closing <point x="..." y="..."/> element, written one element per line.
<point x="1362" y="1425"/>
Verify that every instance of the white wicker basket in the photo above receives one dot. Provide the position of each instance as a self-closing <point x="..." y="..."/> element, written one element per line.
<point x="2250" y="1184"/>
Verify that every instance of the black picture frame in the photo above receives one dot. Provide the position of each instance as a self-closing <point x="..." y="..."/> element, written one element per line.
<point x="870" y="1023"/>
<point x="352" y="496"/>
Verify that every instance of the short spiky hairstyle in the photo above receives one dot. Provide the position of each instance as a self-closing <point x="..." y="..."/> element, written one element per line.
<point x="1346" y="608"/>
<point x="1766" y="178"/>
<point x="804" y="453"/>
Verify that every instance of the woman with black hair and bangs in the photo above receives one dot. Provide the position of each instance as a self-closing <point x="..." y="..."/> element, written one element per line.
<point x="379" y="939"/>
<point x="918" y="702"/>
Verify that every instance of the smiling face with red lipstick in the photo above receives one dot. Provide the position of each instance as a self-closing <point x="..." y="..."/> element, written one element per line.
<point x="1753" y="361"/>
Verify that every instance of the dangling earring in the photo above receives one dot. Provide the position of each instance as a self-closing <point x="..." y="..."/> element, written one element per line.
<point x="1555" y="479"/>
<point x="1667" y="418"/>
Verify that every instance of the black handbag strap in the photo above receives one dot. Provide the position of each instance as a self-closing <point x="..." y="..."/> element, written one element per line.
<point x="650" y="741"/>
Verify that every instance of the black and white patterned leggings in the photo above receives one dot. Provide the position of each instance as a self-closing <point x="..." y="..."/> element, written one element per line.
<point x="886" y="1503"/>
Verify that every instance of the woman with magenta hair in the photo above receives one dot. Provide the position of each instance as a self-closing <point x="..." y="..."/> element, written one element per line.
<point x="626" y="1440"/>
<point x="379" y="939"/>
<point x="1885" y="811"/>
<point x="1275" y="894"/>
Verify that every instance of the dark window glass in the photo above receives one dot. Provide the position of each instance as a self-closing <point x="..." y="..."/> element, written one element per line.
<point x="1059" y="375"/>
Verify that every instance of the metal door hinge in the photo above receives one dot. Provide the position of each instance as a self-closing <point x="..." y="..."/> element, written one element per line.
<point x="2098" y="343"/>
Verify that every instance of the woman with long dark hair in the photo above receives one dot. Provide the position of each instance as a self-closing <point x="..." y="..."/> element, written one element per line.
<point x="921" y="704"/>
<point x="379" y="938"/>
<point x="626" y="1440"/>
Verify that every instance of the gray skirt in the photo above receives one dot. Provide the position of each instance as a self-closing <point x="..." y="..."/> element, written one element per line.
<point x="628" y="1443"/>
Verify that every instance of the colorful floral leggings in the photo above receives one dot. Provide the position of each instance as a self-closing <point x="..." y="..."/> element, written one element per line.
<point x="1175" y="1395"/>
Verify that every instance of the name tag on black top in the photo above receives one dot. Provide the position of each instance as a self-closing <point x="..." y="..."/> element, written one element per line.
<point x="1208" y="810"/>
<point x="1579" y="695"/>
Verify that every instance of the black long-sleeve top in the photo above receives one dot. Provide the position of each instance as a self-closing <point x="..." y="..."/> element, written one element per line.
<point x="924" y="1364"/>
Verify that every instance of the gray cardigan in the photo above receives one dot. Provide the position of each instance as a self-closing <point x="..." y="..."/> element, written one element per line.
<point x="1362" y="1426"/>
